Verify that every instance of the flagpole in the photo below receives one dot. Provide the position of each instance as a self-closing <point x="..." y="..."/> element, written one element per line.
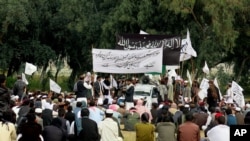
<point x="192" y="64"/>
<point x="182" y="67"/>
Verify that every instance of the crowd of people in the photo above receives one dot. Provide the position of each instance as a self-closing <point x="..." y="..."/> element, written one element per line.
<point x="97" y="110"/>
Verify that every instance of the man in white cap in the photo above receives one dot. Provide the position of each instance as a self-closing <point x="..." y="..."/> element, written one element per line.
<point x="219" y="132"/>
<point x="39" y="119"/>
<point x="239" y="116"/>
<point x="108" y="128"/>
<point x="247" y="109"/>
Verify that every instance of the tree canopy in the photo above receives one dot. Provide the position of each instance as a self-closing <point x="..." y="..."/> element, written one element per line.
<point x="51" y="30"/>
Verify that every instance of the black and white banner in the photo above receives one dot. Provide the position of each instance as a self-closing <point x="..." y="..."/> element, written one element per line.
<point x="171" y="45"/>
<point x="238" y="94"/>
<point x="127" y="61"/>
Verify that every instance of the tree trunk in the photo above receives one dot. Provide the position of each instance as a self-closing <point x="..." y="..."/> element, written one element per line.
<point x="43" y="73"/>
<point x="71" y="80"/>
<point x="241" y="69"/>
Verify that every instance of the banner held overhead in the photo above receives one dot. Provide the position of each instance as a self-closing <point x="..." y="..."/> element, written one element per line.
<point x="127" y="61"/>
<point x="171" y="45"/>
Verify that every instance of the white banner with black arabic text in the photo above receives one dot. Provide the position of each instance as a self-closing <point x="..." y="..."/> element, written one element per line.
<point x="127" y="61"/>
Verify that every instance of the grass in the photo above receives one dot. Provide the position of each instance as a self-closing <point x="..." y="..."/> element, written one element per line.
<point x="35" y="83"/>
<point x="130" y="135"/>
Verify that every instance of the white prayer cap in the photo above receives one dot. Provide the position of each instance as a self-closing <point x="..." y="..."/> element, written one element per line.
<point x="237" y="109"/>
<point x="186" y="106"/>
<point x="247" y="105"/>
<point x="38" y="96"/>
<point x="88" y="73"/>
<point x="31" y="98"/>
<point x="38" y="110"/>
<point x="54" y="113"/>
<point x="178" y="77"/>
<point x="14" y="98"/>
<point x="69" y="100"/>
<point x="100" y="101"/>
<point x="44" y="96"/>
<point x="185" y="81"/>
<point x="121" y="104"/>
<point x="109" y="111"/>
<point x="161" y="105"/>
<point x="229" y="101"/>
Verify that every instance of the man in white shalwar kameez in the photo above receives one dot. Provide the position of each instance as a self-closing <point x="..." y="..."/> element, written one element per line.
<point x="220" y="132"/>
<point x="108" y="128"/>
<point x="229" y="94"/>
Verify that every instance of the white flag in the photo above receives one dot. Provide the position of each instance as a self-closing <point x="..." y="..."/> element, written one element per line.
<point x="217" y="85"/>
<point x="113" y="82"/>
<point x="236" y="88"/>
<point x="30" y="68"/>
<point x="238" y="94"/>
<point x="54" y="86"/>
<point x="203" y="86"/>
<point x="143" y="32"/>
<point x="24" y="79"/>
<point x="187" y="50"/>
<point x="189" y="78"/>
<point x="205" y="68"/>
<point x="172" y="73"/>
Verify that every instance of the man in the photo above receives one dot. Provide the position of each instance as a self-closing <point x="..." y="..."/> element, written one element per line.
<point x="88" y="84"/>
<point x="129" y="101"/>
<point x="47" y="115"/>
<point x="107" y="86"/>
<point x="186" y="92"/>
<point x="89" y="130"/>
<point x="95" y="113"/>
<point x="229" y="94"/>
<point x="77" y="123"/>
<point x="54" y="132"/>
<point x="108" y="128"/>
<point x="231" y="119"/>
<point x="39" y="119"/>
<point x="213" y="95"/>
<point x="220" y="132"/>
<point x="98" y="88"/>
<point x="247" y="109"/>
<point x="239" y="116"/>
<point x="188" y="131"/>
<point x="19" y="87"/>
<point x="82" y="88"/>
<point x="4" y="94"/>
<point x="30" y="130"/>
<point x="65" y="123"/>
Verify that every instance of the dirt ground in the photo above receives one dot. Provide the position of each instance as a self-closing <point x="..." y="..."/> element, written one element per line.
<point x="130" y="135"/>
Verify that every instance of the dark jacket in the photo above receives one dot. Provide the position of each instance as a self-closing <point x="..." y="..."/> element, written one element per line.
<point x="4" y="99"/>
<point x="129" y="94"/>
<point x="53" y="133"/>
<point x="70" y="117"/>
<point x="30" y="131"/>
<point x="106" y="91"/>
<point x="81" y="90"/>
<point x="98" y="88"/>
<point x="89" y="130"/>
<point x="18" y="88"/>
<point x="47" y="117"/>
<point x="211" y="100"/>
